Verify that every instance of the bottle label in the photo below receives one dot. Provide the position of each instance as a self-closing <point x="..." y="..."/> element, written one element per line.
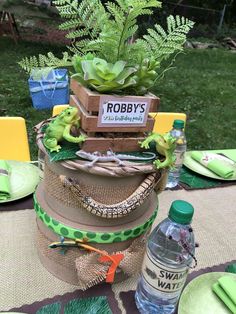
<point x="161" y="277"/>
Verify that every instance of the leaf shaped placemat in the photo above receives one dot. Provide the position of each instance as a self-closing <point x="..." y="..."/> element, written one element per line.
<point x="98" y="305"/>
<point x="191" y="180"/>
<point x="99" y="299"/>
<point x="54" y="308"/>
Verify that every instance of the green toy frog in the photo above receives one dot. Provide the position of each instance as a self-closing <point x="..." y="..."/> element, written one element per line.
<point x="165" y="146"/>
<point x="59" y="129"/>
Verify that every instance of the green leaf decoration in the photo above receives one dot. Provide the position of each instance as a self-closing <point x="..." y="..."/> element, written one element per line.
<point x="162" y="44"/>
<point x="196" y="181"/>
<point x="49" y="62"/>
<point x="67" y="151"/>
<point x="95" y="305"/>
<point x="54" y="308"/>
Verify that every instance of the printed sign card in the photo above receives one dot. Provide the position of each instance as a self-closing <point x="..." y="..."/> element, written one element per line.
<point x="123" y="111"/>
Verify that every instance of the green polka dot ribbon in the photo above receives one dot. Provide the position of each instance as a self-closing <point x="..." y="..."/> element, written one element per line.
<point x="93" y="237"/>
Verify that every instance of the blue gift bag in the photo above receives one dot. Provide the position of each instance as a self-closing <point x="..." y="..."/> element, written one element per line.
<point x="50" y="90"/>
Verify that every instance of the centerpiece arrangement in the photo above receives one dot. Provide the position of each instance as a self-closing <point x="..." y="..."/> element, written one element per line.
<point x="107" y="57"/>
<point x="101" y="201"/>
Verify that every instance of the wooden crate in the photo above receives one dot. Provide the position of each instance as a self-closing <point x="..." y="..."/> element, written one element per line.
<point x="91" y="100"/>
<point x="116" y="144"/>
<point x="120" y="137"/>
<point x="89" y="122"/>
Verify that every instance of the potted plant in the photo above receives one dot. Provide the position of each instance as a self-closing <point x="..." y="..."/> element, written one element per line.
<point x="106" y="58"/>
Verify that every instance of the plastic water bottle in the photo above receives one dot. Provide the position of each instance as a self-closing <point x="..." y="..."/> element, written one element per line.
<point x="178" y="133"/>
<point x="169" y="255"/>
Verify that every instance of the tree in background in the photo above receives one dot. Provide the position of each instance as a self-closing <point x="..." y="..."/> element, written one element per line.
<point x="206" y="14"/>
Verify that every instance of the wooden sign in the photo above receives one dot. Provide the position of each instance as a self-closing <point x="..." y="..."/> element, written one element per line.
<point x="89" y="121"/>
<point x="120" y="112"/>
<point x="91" y="100"/>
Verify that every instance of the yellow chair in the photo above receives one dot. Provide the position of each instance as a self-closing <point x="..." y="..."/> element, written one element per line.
<point x="164" y="120"/>
<point x="58" y="109"/>
<point x="13" y="138"/>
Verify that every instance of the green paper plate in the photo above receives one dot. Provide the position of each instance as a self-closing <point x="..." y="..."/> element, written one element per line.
<point x="195" y="166"/>
<point x="198" y="297"/>
<point x="24" y="177"/>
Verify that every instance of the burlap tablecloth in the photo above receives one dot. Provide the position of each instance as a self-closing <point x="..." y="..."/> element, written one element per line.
<point x="23" y="280"/>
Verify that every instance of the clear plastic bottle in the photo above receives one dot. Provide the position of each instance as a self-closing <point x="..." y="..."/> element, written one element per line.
<point x="181" y="146"/>
<point x="169" y="254"/>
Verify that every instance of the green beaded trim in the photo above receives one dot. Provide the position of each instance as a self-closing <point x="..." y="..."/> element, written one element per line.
<point x="94" y="237"/>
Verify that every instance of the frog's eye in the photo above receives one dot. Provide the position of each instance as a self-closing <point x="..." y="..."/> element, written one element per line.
<point x="68" y="113"/>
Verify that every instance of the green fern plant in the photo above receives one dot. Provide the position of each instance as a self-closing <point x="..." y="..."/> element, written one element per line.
<point x="108" y="32"/>
<point x="49" y="61"/>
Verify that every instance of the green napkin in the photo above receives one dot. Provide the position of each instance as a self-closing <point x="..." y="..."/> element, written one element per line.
<point x="225" y="289"/>
<point x="229" y="286"/>
<point x="214" y="162"/>
<point x="4" y="180"/>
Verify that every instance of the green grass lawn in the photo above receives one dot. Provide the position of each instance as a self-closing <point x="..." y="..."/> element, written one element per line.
<point x="202" y="84"/>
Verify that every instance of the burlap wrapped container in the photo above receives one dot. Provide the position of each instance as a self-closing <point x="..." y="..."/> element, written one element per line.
<point x="77" y="202"/>
<point x="80" y="268"/>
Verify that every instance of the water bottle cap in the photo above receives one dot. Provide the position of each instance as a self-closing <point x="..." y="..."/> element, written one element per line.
<point x="178" y="124"/>
<point x="181" y="212"/>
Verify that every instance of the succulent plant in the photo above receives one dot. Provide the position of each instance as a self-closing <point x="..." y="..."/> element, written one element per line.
<point x="78" y="59"/>
<point x="102" y="76"/>
<point x="146" y="75"/>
